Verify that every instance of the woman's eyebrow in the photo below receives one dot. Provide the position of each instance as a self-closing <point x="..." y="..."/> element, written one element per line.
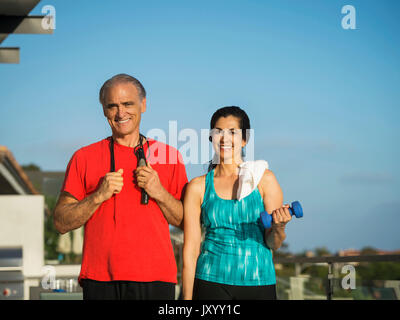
<point x="227" y="129"/>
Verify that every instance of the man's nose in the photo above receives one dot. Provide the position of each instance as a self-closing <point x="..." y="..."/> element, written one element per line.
<point x="120" y="111"/>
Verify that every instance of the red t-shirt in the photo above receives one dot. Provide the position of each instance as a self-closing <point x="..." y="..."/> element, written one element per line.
<point x="125" y="240"/>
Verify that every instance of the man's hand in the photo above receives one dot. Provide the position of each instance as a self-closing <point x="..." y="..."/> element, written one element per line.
<point x="172" y="209"/>
<point x="147" y="179"/>
<point x="112" y="184"/>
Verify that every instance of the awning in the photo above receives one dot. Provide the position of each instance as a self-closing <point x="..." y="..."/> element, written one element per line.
<point x="14" y="19"/>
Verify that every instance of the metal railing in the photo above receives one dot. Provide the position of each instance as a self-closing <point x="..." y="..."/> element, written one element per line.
<point x="331" y="261"/>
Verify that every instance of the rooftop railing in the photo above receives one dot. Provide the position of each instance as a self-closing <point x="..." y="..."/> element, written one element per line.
<point x="303" y="286"/>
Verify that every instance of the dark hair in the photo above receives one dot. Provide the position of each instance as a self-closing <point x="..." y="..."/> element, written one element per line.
<point x="121" y="78"/>
<point x="244" y="123"/>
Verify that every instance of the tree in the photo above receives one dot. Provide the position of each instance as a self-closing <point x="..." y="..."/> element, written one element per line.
<point x="31" y="167"/>
<point x="368" y="251"/>
<point x="50" y="233"/>
<point x="321" y="251"/>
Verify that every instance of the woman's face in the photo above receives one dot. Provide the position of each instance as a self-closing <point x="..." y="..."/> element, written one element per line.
<point x="227" y="139"/>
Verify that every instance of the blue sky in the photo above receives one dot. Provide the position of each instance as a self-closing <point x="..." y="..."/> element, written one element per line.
<point x="323" y="101"/>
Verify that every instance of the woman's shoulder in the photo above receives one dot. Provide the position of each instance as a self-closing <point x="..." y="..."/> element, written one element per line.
<point x="196" y="188"/>
<point x="268" y="177"/>
<point x="269" y="183"/>
<point x="198" y="183"/>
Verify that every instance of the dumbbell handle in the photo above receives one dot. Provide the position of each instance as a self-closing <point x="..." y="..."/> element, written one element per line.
<point x="295" y="210"/>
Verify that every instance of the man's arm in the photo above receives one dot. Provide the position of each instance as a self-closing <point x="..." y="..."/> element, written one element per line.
<point x="147" y="179"/>
<point x="70" y="213"/>
<point x="171" y="208"/>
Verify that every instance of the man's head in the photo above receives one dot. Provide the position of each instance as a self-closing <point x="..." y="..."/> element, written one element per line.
<point x="124" y="100"/>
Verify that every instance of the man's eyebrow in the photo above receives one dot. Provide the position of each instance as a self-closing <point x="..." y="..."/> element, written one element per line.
<point x="110" y="105"/>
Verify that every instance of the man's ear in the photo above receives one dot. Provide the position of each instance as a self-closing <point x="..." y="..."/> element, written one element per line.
<point x="143" y="105"/>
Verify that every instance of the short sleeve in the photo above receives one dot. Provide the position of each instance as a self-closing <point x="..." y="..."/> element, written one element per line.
<point x="178" y="179"/>
<point x="74" y="177"/>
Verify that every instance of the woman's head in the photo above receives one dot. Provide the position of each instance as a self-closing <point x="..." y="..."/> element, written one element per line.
<point x="230" y="130"/>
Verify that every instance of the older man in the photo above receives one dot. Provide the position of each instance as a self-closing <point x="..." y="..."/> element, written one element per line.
<point x="127" y="251"/>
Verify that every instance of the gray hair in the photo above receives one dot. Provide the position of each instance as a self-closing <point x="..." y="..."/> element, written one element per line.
<point x="121" y="78"/>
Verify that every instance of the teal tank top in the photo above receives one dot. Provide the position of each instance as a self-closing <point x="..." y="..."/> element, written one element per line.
<point x="233" y="251"/>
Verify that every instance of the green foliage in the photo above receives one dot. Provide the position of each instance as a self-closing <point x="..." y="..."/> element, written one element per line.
<point x="31" y="167"/>
<point x="316" y="271"/>
<point x="368" y="251"/>
<point x="286" y="271"/>
<point x="378" y="271"/>
<point x="322" y="251"/>
<point x="50" y="233"/>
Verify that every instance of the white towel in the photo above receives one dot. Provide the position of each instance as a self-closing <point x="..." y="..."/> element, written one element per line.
<point x="250" y="174"/>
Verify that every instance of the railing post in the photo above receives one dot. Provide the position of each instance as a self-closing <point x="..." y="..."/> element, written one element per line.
<point x="330" y="282"/>
<point x="297" y="269"/>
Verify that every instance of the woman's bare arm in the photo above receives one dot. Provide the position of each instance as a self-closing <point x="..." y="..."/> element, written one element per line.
<point x="273" y="203"/>
<point x="192" y="233"/>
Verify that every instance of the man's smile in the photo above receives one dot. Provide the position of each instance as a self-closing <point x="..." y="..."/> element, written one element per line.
<point x="121" y="121"/>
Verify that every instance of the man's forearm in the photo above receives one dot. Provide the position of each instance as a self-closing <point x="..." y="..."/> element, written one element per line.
<point x="72" y="215"/>
<point x="171" y="208"/>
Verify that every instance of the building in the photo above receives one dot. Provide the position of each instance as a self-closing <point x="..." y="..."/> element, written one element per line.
<point x="22" y="213"/>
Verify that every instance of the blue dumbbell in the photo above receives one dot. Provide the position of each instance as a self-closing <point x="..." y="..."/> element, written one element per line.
<point x="295" y="210"/>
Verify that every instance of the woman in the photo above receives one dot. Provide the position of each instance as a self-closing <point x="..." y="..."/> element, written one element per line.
<point x="234" y="260"/>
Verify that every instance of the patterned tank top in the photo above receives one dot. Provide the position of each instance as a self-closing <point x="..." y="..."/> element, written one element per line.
<point x="233" y="251"/>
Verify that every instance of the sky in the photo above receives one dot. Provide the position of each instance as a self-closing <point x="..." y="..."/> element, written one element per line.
<point x="323" y="100"/>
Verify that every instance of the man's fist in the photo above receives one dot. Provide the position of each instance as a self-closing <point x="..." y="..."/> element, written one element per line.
<point x="112" y="184"/>
<point x="147" y="179"/>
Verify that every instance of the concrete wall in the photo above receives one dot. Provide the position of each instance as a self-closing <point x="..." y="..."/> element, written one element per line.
<point x="22" y="225"/>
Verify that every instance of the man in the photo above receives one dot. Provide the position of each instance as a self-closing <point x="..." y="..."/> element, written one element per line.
<point x="127" y="251"/>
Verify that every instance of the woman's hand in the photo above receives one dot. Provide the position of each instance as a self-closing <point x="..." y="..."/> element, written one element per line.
<point x="281" y="217"/>
<point x="276" y="234"/>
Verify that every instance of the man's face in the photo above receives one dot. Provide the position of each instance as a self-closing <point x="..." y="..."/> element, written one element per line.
<point x="123" y="108"/>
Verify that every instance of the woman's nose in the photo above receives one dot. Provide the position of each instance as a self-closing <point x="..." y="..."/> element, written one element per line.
<point x="226" y="136"/>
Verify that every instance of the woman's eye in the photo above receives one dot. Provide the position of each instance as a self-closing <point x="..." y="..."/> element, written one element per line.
<point x="216" y="132"/>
